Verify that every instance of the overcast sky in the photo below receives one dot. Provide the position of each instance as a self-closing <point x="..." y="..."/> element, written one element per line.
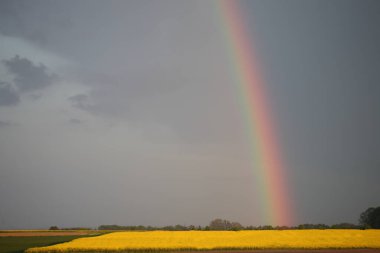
<point x="123" y="112"/>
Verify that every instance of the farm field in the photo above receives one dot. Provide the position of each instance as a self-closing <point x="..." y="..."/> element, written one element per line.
<point x="15" y="244"/>
<point x="17" y="241"/>
<point x="28" y="233"/>
<point x="220" y="240"/>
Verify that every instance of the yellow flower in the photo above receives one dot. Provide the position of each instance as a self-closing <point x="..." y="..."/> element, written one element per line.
<point x="206" y="240"/>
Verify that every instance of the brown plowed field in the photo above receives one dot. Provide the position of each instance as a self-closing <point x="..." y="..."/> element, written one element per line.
<point x="44" y="233"/>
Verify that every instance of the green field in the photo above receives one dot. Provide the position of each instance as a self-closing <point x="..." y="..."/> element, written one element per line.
<point x="15" y="244"/>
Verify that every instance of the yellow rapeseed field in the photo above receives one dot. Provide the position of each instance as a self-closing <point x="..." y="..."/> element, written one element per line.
<point x="208" y="240"/>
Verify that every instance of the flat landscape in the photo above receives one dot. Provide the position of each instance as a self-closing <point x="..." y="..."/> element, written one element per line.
<point x="17" y="241"/>
<point x="157" y="241"/>
<point x="193" y="126"/>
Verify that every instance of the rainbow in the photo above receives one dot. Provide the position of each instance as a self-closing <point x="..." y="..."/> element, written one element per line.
<point x="267" y="164"/>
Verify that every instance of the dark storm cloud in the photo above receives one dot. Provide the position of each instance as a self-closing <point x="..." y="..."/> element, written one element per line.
<point x="23" y="19"/>
<point x="27" y="75"/>
<point x="138" y="76"/>
<point x="8" y="95"/>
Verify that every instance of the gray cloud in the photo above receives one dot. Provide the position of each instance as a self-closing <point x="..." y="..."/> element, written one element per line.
<point x="164" y="113"/>
<point x="75" y="121"/>
<point x="27" y="75"/>
<point x="5" y="123"/>
<point x="28" y="25"/>
<point x="8" y="96"/>
<point x="81" y="101"/>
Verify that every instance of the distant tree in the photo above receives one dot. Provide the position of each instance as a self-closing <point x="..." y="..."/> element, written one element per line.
<point x="344" y="226"/>
<point x="218" y="224"/>
<point x="236" y="226"/>
<point x="114" y="227"/>
<point x="281" y="228"/>
<point x="180" y="228"/>
<point x="53" y="228"/>
<point x="169" y="228"/>
<point x="312" y="226"/>
<point x="370" y="218"/>
<point x="364" y="217"/>
<point x="76" y="228"/>
<point x="304" y="226"/>
<point x="140" y="227"/>
<point x="324" y="226"/>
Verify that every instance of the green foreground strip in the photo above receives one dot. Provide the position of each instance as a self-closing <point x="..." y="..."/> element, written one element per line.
<point x="15" y="244"/>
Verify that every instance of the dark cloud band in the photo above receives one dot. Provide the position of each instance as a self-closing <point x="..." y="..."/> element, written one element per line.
<point x="27" y="75"/>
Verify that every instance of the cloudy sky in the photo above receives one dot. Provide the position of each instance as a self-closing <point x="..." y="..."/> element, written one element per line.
<point x="123" y="112"/>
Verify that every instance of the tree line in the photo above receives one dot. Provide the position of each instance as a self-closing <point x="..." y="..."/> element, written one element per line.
<point x="369" y="219"/>
<point x="225" y="225"/>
